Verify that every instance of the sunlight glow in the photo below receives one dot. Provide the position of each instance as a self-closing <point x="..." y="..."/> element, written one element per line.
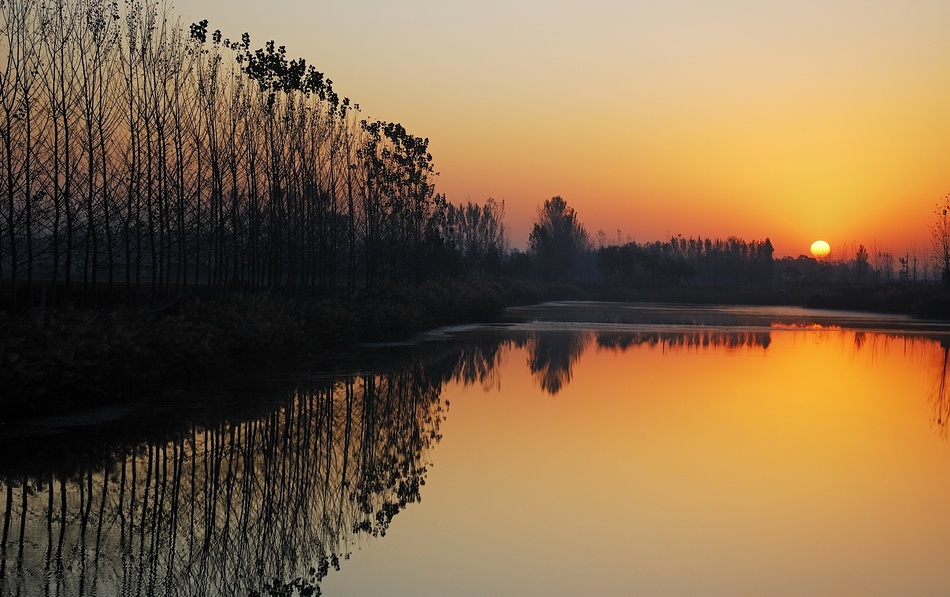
<point x="820" y="249"/>
<point x="693" y="118"/>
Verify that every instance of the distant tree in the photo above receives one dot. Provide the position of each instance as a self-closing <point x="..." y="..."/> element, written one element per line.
<point x="761" y="256"/>
<point x="884" y="266"/>
<point x="706" y="262"/>
<point x="904" y="273"/>
<point x="478" y="233"/>
<point x="557" y="239"/>
<point x="517" y="265"/>
<point x="861" y="265"/>
<point x="940" y="238"/>
<point x="609" y="262"/>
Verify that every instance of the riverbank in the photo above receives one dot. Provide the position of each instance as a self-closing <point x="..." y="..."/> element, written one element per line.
<point x="919" y="301"/>
<point x="79" y="358"/>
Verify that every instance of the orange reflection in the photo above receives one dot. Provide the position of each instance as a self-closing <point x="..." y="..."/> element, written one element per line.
<point x="804" y="326"/>
<point x="716" y="466"/>
<point x="939" y="399"/>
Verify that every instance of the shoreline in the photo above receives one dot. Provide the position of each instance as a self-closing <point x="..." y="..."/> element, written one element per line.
<point x="80" y="358"/>
<point x="77" y="359"/>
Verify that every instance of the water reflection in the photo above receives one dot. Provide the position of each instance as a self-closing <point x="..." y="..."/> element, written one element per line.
<point x="938" y="395"/>
<point x="268" y="505"/>
<point x="552" y="354"/>
<point x="551" y="357"/>
<point x="621" y="341"/>
<point x="261" y="507"/>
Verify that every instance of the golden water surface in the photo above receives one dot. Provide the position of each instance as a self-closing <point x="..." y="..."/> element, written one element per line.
<point x="794" y="462"/>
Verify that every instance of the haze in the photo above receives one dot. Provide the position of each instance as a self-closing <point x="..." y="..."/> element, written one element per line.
<point x="790" y="120"/>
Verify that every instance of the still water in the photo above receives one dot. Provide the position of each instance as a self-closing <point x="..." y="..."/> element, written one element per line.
<point x="578" y="449"/>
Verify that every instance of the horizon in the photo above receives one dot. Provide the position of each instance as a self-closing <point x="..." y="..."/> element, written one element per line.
<point x="790" y="121"/>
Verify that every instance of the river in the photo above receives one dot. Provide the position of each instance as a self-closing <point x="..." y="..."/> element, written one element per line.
<point x="575" y="448"/>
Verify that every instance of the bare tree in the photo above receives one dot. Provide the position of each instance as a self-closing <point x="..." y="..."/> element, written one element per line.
<point x="940" y="239"/>
<point x="180" y="157"/>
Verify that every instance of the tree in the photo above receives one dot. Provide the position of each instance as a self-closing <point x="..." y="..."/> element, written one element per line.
<point x="477" y="233"/>
<point x="861" y="264"/>
<point x="940" y="237"/>
<point x="557" y="239"/>
<point x="186" y="158"/>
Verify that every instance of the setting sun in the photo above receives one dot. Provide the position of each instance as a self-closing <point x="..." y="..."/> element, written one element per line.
<point x="820" y="248"/>
<point x="763" y="110"/>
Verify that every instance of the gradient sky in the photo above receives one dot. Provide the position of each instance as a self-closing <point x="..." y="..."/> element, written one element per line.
<point x="788" y="119"/>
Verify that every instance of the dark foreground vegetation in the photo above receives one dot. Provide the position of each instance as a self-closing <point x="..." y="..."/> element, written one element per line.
<point x="84" y="357"/>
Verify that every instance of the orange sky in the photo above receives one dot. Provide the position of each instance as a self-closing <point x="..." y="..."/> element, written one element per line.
<point x="793" y="120"/>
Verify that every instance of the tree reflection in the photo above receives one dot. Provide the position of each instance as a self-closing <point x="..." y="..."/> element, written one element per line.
<point x="932" y="350"/>
<point x="551" y="357"/>
<point x="552" y="354"/>
<point x="477" y="361"/>
<point x="260" y="507"/>
<point x="939" y="398"/>
<point x="621" y="341"/>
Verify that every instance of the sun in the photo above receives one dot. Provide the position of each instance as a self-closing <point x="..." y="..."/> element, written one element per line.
<point x="820" y="249"/>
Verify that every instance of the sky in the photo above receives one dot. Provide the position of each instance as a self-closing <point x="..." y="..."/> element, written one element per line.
<point x="793" y="120"/>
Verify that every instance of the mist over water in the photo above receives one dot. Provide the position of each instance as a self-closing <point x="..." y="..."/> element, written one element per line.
<point x="619" y="450"/>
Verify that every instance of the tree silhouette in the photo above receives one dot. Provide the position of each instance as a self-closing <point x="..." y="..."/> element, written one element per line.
<point x="478" y="233"/>
<point x="557" y="239"/>
<point x="940" y="238"/>
<point x="551" y="358"/>
<point x="162" y="160"/>
<point x="705" y="261"/>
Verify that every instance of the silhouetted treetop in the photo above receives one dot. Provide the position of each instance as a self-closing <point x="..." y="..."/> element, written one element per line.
<point x="141" y="153"/>
<point x="557" y="238"/>
<point x="705" y="261"/>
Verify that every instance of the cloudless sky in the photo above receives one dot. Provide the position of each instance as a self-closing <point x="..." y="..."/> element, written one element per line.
<point x="795" y="120"/>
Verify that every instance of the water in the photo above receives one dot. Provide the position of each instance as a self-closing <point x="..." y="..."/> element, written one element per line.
<point x="578" y="449"/>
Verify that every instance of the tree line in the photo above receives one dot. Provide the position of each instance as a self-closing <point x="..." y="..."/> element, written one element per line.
<point x="145" y="158"/>
<point x="142" y="156"/>
<point x="732" y="262"/>
<point x="563" y="250"/>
